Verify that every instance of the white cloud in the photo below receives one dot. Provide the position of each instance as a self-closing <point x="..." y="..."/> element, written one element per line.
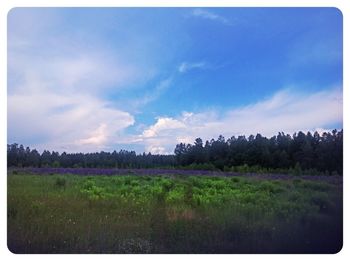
<point x="162" y="126"/>
<point x="205" y="14"/>
<point x="73" y="123"/>
<point x="59" y="100"/>
<point x="98" y="137"/>
<point x="156" y="150"/>
<point x="57" y="85"/>
<point x="285" y="111"/>
<point x="185" y="66"/>
<point x="82" y="71"/>
<point x="152" y="95"/>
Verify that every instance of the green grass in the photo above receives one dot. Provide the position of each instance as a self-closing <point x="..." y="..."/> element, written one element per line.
<point x="172" y="214"/>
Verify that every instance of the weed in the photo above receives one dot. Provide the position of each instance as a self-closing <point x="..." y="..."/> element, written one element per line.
<point x="158" y="214"/>
<point x="318" y="186"/>
<point x="60" y="182"/>
<point x="12" y="212"/>
<point x="235" y="179"/>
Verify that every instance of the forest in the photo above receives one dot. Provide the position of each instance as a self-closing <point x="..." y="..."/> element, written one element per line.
<point x="318" y="153"/>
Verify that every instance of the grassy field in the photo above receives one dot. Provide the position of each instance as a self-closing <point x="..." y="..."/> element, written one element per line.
<point x="172" y="214"/>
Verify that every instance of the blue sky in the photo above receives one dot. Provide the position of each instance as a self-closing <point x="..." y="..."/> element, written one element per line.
<point x="91" y="79"/>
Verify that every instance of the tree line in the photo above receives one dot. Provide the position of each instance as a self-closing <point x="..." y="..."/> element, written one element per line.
<point x="308" y="151"/>
<point x="18" y="156"/>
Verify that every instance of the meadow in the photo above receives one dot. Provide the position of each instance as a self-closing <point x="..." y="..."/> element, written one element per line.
<point x="173" y="213"/>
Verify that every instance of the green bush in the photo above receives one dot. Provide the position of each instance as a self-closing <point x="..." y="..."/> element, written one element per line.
<point x="235" y="179"/>
<point x="92" y="191"/>
<point x="167" y="184"/>
<point x="317" y="186"/>
<point x="242" y="168"/>
<point x="176" y="195"/>
<point x="199" y="166"/>
<point x="88" y="184"/>
<point x="267" y="186"/>
<point x="134" y="183"/>
<point x="311" y="172"/>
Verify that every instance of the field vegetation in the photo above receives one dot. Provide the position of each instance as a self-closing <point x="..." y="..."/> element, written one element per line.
<point x="212" y="197"/>
<point x="172" y="214"/>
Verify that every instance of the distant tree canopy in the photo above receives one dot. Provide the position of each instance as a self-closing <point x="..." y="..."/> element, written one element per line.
<point x="309" y="151"/>
<point x="306" y="151"/>
<point x="18" y="156"/>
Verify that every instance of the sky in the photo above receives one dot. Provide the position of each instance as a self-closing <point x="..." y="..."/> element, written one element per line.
<point x="146" y="79"/>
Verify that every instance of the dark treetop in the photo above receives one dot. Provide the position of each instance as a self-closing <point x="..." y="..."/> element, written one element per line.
<point x="322" y="153"/>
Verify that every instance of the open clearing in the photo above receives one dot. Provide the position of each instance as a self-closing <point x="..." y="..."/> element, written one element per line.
<point x="144" y="213"/>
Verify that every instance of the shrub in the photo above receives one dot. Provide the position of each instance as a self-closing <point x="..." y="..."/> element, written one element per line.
<point x="242" y="168"/>
<point x="254" y="169"/>
<point x="235" y="179"/>
<point x="227" y="169"/>
<point x="312" y="172"/>
<point x="176" y="195"/>
<point x="156" y="190"/>
<point x="267" y="186"/>
<point x="290" y="171"/>
<point x="335" y="173"/>
<point x="166" y="184"/>
<point x="88" y="184"/>
<point x="297" y="181"/>
<point x="134" y="183"/>
<point x="297" y="169"/>
<point x="318" y="186"/>
<point x="96" y="193"/>
<point x="199" y="166"/>
<point x="93" y="192"/>
<point x="322" y="200"/>
<point x="127" y="180"/>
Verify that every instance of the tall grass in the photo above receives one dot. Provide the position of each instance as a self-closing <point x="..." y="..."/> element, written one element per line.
<point x="170" y="214"/>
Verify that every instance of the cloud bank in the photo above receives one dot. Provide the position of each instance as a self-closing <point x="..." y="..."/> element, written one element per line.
<point x="62" y="122"/>
<point x="63" y="88"/>
<point x="285" y="111"/>
<point x="57" y="87"/>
